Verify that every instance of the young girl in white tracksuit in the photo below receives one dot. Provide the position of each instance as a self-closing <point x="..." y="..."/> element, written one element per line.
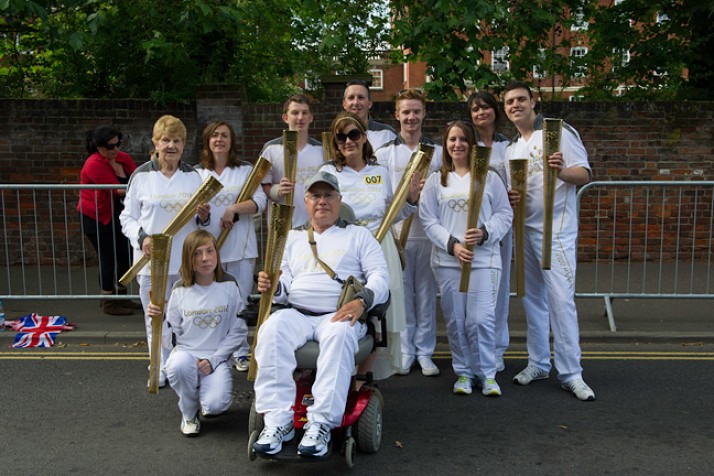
<point x="443" y="208"/>
<point x="202" y="315"/>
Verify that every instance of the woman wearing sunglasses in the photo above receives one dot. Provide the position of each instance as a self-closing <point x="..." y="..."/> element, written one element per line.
<point x="100" y="209"/>
<point x="366" y="187"/>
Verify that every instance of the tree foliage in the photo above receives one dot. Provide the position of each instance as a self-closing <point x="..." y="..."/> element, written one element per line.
<point x="654" y="48"/>
<point x="162" y="50"/>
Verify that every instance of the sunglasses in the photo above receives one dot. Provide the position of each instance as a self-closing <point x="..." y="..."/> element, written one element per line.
<point x="353" y="135"/>
<point x="113" y="146"/>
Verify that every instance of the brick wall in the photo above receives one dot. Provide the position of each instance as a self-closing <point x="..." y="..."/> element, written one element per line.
<point x="42" y="141"/>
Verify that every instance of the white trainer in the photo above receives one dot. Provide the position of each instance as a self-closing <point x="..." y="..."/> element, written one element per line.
<point x="580" y="389"/>
<point x="428" y="367"/>
<point x="407" y="362"/>
<point x="489" y="388"/>
<point x="462" y="386"/>
<point x="529" y="374"/>
<point x="242" y="363"/>
<point x="316" y="440"/>
<point x="190" y="427"/>
<point x="271" y="439"/>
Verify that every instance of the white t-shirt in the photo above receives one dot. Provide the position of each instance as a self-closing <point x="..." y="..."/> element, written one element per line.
<point x="565" y="218"/>
<point x="204" y="319"/>
<point x="241" y="241"/>
<point x="310" y="158"/>
<point x="395" y="155"/>
<point x="151" y="203"/>
<point x="444" y="212"/>
<point x="368" y="192"/>
<point x="349" y="250"/>
<point x="379" y="134"/>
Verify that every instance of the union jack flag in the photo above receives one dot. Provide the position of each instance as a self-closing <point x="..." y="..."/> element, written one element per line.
<point x="34" y="330"/>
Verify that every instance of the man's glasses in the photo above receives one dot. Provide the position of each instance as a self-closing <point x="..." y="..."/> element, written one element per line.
<point x="328" y="196"/>
<point x="353" y="135"/>
<point x="112" y="146"/>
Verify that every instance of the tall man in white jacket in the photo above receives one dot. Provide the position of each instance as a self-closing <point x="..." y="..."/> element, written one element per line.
<point x="550" y="294"/>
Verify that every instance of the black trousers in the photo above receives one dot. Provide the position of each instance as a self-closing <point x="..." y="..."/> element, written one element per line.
<point x="112" y="249"/>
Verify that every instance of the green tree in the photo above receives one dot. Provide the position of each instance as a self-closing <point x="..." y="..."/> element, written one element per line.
<point x="162" y="50"/>
<point x="647" y="46"/>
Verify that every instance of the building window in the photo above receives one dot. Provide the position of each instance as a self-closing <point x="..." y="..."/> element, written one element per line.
<point x="662" y="17"/>
<point x="377" y="79"/>
<point x="539" y="71"/>
<point x="577" y="59"/>
<point x="499" y="60"/>
<point x="580" y="23"/>
<point x="620" y="58"/>
<point x="576" y="98"/>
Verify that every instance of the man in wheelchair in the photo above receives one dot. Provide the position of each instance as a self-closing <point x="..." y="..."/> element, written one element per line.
<point x="311" y="298"/>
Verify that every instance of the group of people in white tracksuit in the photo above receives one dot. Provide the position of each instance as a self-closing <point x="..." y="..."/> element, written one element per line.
<point x="208" y="288"/>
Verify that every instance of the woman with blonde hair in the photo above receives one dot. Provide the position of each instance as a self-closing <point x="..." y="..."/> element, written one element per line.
<point x="156" y="192"/>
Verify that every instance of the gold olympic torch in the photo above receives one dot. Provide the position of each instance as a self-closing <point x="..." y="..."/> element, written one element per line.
<point x="519" y="183"/>
<point x="160" y="257"/>
<point x="281" y="218"/>
<point x="261" y="167"/>
<point x="552" y="129"/>
<point x="480" y="157"/>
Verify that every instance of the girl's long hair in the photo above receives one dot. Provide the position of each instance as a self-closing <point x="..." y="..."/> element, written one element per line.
<point x="447" y="164"/>
<point x="195" y="239"/>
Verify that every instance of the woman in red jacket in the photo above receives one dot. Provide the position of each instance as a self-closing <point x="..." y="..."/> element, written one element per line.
<point x="99" y="210"/>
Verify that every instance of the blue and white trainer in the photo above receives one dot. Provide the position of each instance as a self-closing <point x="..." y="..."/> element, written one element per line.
<point x="316" y="440"/>
<point x="271" y="439"/>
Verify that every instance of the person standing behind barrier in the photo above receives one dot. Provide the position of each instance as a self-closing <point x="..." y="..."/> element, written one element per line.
<point x="470" y="317"/>
<point x="202" y="315"/>
<point x="100" y="211"/>
<point x="357" y="99"/>
<point x="298" y="117"/>
<point x="550" y="294"/>
<point x="418" y="340"/>
<point x="157" y="191"/>
<point x="219" y="158"/>
<point x="486" y="117"/>
<point x="366" y="187"/>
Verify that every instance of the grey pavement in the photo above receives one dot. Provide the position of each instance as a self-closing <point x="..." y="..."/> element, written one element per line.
<point x="638" y="320"/>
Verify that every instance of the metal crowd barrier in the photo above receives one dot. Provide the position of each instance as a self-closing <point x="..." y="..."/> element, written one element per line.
<point x="645" y="240"/>
<point x="44" y="254"/>
<point x="637" y="240"/>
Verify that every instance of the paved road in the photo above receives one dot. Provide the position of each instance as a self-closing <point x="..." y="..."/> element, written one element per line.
<point x="85" y="410"/>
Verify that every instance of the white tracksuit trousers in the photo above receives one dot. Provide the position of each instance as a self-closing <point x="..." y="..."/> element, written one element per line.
<point x="419" y="338"/>
<point x="211" y="393"/>
<point x="470" y="320"/>
<point x="550" y="304"/>
<point x="503" y="299"/>
<point x="279" y="337"/>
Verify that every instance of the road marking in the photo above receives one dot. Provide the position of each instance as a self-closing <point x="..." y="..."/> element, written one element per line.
<point x="38" y="354"/>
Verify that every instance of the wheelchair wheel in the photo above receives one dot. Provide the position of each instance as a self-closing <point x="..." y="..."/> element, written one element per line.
<point x="251" y="441"/>
<point x="255" y="420"/>
<point x="369" y="425"/>
<point x="350" y="452"/>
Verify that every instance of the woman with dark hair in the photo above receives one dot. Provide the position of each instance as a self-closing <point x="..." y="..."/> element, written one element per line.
<point x="219" y="158"/>
<point x="366" y="187"/>
<point x="100" y="209"/>
<point x="443" y="208"/>
<point x="485" y="116"/>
